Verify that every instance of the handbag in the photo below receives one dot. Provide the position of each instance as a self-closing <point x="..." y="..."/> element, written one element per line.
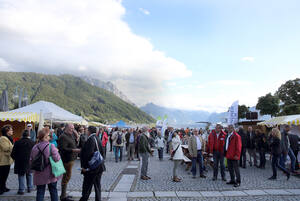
<point x="56" y="167"/>
<point x="96" y="159"/>
<point x="173" y="153"/>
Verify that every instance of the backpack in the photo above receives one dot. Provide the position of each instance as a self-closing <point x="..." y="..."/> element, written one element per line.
<point x="39" y="161"/>
<point x="119" y="139"/>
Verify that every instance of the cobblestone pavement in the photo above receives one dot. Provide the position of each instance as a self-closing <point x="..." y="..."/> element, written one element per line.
<point x="113" y="169"/>
<point x="252" y="178"/>
<point x="249" y="198"/>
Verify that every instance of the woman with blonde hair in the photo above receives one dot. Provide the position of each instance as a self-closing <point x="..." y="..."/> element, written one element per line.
<point x="276" y="151"/>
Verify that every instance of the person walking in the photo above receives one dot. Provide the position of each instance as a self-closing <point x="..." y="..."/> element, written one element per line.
<point x="104" y="139"/>
<point x="6" y="147"/>
<point x="294" y="141"/>
<point x="195" y="146"/>
<point x="118" y="142"/>
<point x="286" y="149"/>
<point x="251" y="145"/>
<point x="216" y="141"/>
<point x="144" y="151"/>
<point x="233" y="148"/>
<point x="21" y="155"/>
<point x="130" y="140"/>
<point x="177" y="155"/>
<point x="275" y="145"/>
<point x="91" y="177"/>
<point x="160" y="145"/>
<point x="68" y="150"/>
<point x="45" y="177"/>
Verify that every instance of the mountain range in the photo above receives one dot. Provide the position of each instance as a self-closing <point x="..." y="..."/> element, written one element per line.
<point x="73" y="94"/>
<point x="183" y="118"/>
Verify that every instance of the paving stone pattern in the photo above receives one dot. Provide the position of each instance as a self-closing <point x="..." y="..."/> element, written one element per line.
<point x="252" y="178"/>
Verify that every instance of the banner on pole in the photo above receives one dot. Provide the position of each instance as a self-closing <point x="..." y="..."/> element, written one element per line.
<point x="233" y="113"/>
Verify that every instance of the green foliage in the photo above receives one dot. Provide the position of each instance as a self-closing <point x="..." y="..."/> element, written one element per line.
<point x="289" y="93"/>
<point x="243" y="109"/>
<point x="268" y="104"/>
<point x="291" y="109"/>
<point x="74" y="95"/>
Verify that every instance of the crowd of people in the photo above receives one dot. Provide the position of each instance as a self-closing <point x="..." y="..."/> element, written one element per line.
<point x="225" y="147"/>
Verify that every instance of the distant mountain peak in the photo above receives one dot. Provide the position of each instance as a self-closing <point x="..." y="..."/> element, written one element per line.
<point x="109" y="86"/>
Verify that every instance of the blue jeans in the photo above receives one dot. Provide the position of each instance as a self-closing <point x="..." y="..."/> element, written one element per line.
<point x="22" y="178"/>
<point x="160" y="152"/>
<point x="117" y="150"/>
<point x="292" y="157"/>
<point x="40" y="193"/>
<point x="198" y="159"/>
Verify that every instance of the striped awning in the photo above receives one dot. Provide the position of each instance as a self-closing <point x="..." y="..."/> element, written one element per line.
<point x="19" y="116"/>
<point x="282" y="120"/>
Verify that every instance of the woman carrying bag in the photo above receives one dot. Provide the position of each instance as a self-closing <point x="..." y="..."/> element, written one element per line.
<point x="45" y="176"/>
<point x="177" y="155"/>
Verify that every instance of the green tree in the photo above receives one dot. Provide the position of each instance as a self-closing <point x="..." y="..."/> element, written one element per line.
<point x="289" y="93"/>
<point x="291" y="109"/>
<point x="243" y="109"/>
<point x="268" y="104"/>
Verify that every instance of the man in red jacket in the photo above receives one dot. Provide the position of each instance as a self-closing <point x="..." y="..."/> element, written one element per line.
<point x="216" y="141"/>
<point x="232" y="150"/>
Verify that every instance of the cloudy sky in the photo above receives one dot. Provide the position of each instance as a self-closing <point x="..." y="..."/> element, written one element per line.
<point x="189" y="54"/>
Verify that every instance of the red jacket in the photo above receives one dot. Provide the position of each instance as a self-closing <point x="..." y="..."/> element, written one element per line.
<point x="104" y="138"/>
<point x="234" y="148"/>
<point x="216" y="144"/>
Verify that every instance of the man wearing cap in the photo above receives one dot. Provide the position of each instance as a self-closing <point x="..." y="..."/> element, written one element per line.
<point x="32" y="132"/>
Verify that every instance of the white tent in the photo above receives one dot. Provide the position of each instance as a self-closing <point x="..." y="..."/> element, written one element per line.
<point x="51" y="112"/>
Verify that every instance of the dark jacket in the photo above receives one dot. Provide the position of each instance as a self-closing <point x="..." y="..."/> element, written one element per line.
<point x="127" y="136"/>
<point x="66" y="143"/>
<point x="244" y="138"/>
<point x="261" y="142"/>
<point x="87" y="153"/>
<point x="144" y="144"/>
<point x="251" y="140"/>
<point x="21" y="154"/>
<point x="275" y="146"/>
<point x="82" y="140"/>
<point x="294" y="140"/>
<point x="284" y="142"/>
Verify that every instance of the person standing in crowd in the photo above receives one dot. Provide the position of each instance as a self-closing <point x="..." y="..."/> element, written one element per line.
<point x="144" y="151"/>
<point x="118" y="143"/>
<point x="68" y="151"/>
<point x="216" y="141"/>
<point x="53" y="136"/>
<point x="21" y="154"/>
<point x="233" y="148"/>
<point x="104" y="139"/>
<point x="45" y="177"/>
<point x="251" y="146"/>
<point x="139" y="133"/>
<point x="166" y="139"/>
<point x="160" y="145"/>
<point x="110" y="139"/>
<point x="261" y="147"/>
<point x="6" y="147"/>
<point x="170" y="141"/>
<point x="294" y="141"/>
<point x="275" y="145"/>
<point x="32" y="132"/>
<point x="83" y="136"/>
<point x="91" y="177"/>
<point x="60" y="130"/>
<point x="177" y="155"/>
<point x="243" y="158"/>
<point x="286" y="149"/>
<point x="196" y="145"/>
<point x="130" y="140"/>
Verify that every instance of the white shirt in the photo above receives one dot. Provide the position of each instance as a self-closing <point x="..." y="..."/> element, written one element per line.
<point x="199" y="145"/>
<point x="227" y="141"/>
<point x="217" y="135"/>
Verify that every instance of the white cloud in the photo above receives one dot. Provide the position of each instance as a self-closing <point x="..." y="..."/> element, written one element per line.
<point x="4" y="66"/>
<point x="230" y="83"/>
<point x="84" y="37"/>
<point x="171" y="84"/>
<point x="143" y="10"/>
<point x="248" y="59"/>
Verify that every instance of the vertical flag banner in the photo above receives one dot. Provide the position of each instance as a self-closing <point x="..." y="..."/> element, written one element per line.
<point x="233" y="113"/>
